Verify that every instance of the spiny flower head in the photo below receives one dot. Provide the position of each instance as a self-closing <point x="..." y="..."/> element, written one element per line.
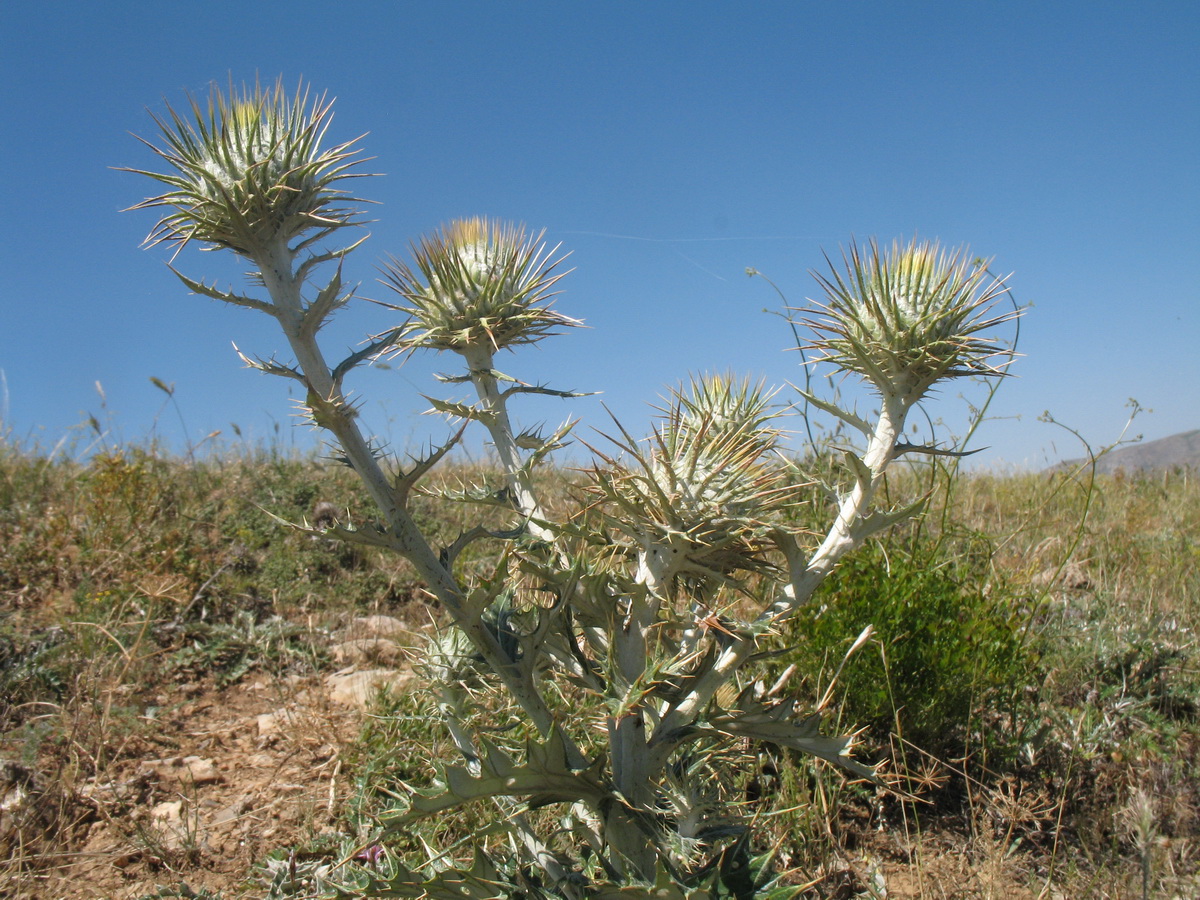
<point x="707" y="484"/>
<point x="478" y="283"/>
<point x="248" y="172"/>
<point x="723" y="404"/>
<point x="909" y="316"/>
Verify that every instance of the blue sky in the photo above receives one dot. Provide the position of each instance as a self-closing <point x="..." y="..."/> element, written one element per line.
<point x="668" y="146"/>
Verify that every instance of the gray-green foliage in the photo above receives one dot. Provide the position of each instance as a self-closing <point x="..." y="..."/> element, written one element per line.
<point x="622" y="634"/>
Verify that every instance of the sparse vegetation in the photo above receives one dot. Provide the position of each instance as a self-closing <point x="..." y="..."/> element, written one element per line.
<point x="1064" y="762"/>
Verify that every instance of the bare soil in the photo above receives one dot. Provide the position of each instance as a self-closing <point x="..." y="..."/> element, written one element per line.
<point x="221" y="778"/>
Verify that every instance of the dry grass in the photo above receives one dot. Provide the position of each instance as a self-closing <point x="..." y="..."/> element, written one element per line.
<point x="149" y="609"/>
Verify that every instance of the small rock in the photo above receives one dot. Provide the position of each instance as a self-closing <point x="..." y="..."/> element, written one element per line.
<point x="167" y="812"/>
<point x="273" y="722"/>
<point x="184" y="769"/>
<point x="357" y="689"/>
<point x="377" y="651"/>
<point x="177" y="832"/>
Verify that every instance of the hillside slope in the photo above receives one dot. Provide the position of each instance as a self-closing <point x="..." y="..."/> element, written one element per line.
<point x="1176" y="451"/>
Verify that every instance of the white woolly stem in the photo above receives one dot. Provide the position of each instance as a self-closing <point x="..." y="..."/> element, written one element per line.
<point x="480" y="360"/>
<point x="284" y="285"/>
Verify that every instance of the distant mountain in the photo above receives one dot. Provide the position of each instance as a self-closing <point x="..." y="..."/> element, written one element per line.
<point x="1179" y="450"/>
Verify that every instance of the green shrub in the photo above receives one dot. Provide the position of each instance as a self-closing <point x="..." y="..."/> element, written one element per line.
<point x="943" y="648"/>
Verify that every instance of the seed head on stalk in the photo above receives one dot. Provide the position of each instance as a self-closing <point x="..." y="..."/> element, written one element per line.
<point x="478" y="283"/>
<point x="908" y="317"/>
<point x="248" y="173"/>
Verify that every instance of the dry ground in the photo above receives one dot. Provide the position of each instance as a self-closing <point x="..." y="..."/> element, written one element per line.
<point x="220" y="779"/>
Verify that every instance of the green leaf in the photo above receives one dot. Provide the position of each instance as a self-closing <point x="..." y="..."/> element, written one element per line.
<point x="211" y="291"/>
<point x="460" y="410"/>
<point x="371" y="535"/>
<point x="881" y="521"/>
<point x="406" y="480"/>
<point x="862" y="474"/>
<point x="774" y="724"/>
<point x="369" y="351"/>
<point x="665" y="887"/>
<point x="329" y="300"/>
<point x="269" y="366"/>
<point x="544" y="778"/>
<point x="549" y="392"/>
<point x="833" y="409"/>
<point x="482" y="881"/>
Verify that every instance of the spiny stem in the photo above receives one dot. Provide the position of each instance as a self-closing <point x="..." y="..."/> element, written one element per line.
<point x="480" y="359"/>
<point x="846" y="534"/>
<point x="283" y="284"/>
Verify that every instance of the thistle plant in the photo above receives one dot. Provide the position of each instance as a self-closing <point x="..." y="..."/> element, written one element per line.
<point x="480" y="287"/>
<point x="906" y="318"/>
<point x="703" y="494"/>
<point x="625" y="631"/>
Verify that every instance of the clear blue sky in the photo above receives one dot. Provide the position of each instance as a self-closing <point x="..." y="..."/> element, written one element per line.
<point x="668" y="146"/>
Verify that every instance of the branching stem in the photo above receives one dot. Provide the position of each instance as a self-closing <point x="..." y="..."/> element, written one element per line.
<point x="849" y="529"/>
<point x="284" y="286"/>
